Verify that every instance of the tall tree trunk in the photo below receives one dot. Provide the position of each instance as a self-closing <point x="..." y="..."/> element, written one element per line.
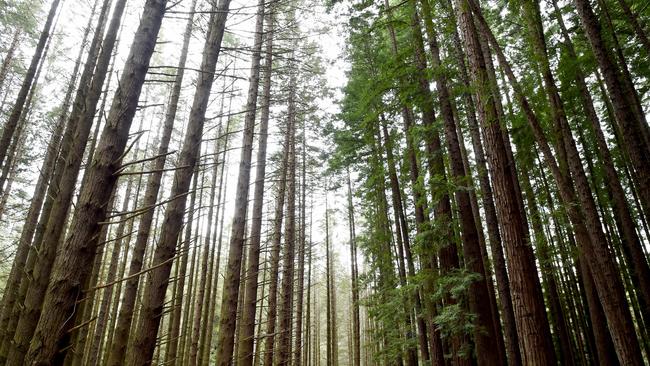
<point x="421" y="220"/>
<point x="9" y="128"/>
<point x="107" y="293"/>
<point x="288" y="254"/>
<point x="9" y="57"/>
<point x="400" y="218"/>
<point x="45" y="173"/>
<point x="227" y="323"/>
<point x="332" y="333"/>
<point x="23" y="121"/>
<point x="118" y="348"/>
<point x="80" y="122"/>
<point x="202" y="298"/>
<point x="491" y="220"/>
<point x="356" y="330"/>
<point x="584" y="217"/>
<point x="300" y="344"/>
<point x="158" y="279"/>
<point x="275" y="249"/>
<point x="247" y="336"/>
<point x="528" y="303"/>
<point x="485" y="337"/>
<point x="632" y="247"/>
<point x="631" y="123"/>
<point x="177" y="346"/>
<point x="223" y="182"/>
<point x="70" y="271"/>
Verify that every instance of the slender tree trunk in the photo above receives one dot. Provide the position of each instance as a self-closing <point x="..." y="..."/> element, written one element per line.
<point x="208" y="324"/>
<point x="288" y="255"/>
<point x="332" y="334"/>
<point x="356" y="330"/>
<point x="13" y="281"/>
<point x="300" y="238"/>
<point x="223" y="183"/>
<point x="107" y="293"/>
<point x="631" y="123"/>
<point x="247" y="336"/>
<point x="23" y="121"/>
<point x="68" y="272"/>
<point x="196" y="354"/>
<point x="6" y="63"/>
<point x="275" y="249"/>
<point x="421" y="220"/>
<point x="154" y="293"/>
<point x="227" y="324"/>
<point x="175" y="350"/>
<point x="9" y="128"/>
<point x="118" y="347"/>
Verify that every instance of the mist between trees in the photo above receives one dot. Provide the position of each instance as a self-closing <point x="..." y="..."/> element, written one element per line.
<point x="298" y="182"/>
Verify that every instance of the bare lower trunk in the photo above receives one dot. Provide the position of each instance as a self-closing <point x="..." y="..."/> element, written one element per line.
<point x="118" y="348"/>
<point x="527" y="297"/>
<point x="71" y="270"/>
<point x="158" y="279"/>
<point x="245" y="348"/>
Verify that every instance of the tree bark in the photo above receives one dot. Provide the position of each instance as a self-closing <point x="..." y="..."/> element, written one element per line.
<point x="10" y="126"/>
<point x="119" y="345"/>
<point x="286" y="293"/>
<point x="275" y="249"/>
<point x="102" y="315"/>
<point x="27" y="232"/>
<point x="584" y="217"/>
<point x="528" y="303"/>
<point x="158" y="279"/>
<point x="6" y="63"/>
<point x="65" y="284"/>
<point x="247" y="339"/>
<point x="632" y="247"/>
<point x="632" y="125"/>
<point x="80" y="122"/>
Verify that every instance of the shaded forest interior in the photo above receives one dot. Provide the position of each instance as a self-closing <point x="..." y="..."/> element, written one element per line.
<point x="338" y="182"/>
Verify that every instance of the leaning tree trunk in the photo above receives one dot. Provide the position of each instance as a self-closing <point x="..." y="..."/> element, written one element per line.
<point x="584" y="216"/>
<point x="528" y="303"/>
<point x="158" y="279"/>
<point x="94" y="351"/>
<point x="632" y="247"/>
<point x="71" y="270"/>
<point x="9" y="127"/>
<point x="632" y="125"/>
<point x="81" y="122"/>
<point x="118" y="348"/>
<point x="45" y="173"/>
<point x="6" y="63"/>
<point x="202" y="298"/>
